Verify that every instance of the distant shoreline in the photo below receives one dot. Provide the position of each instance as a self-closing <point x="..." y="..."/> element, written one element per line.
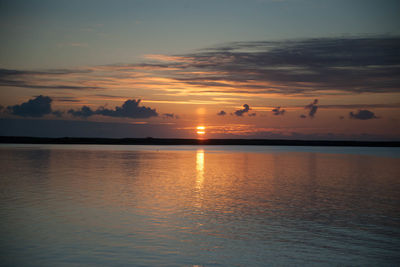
<point x="171" y="141"/>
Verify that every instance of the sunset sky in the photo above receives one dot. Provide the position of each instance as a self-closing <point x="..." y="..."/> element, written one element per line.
<point x="293" y="69"/>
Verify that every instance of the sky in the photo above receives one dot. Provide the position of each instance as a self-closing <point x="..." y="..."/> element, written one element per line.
<point x="282" y="69"/>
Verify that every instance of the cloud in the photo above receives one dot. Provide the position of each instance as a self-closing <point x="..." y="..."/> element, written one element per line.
<point x="57" y="113"/>
<point x="37" y="107"/>
<point x="360" y="106"/>
<point x="84" y="112"/>
<point x="170" y="116"/>
<point x="312" y="107"/>
<point x="10" y="72"/>
<point x="303" y="67"/>
<point x="48" y="79"/>
<point x="130" y="109"/>
<point x="68" y="99"/>
<point x="240" y="112"/>
<point x="363" y="114"/>
<point x="278" y="111"/>
<point x="221" y="113"/>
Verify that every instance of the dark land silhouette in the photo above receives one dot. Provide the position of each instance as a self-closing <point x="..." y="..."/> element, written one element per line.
<point x="171" y="141"/>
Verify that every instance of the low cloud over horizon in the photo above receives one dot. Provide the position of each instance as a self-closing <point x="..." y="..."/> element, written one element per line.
<point x="129" y="109"/>
<point x="37" y="107"/>
<point x="363" y="114"/>
<point x="41" y="106"/>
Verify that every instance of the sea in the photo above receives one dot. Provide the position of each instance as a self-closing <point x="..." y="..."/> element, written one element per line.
<point x="118" y="205"/>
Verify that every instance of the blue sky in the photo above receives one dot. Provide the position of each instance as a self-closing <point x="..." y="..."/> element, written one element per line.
<point x="52" y="34"/>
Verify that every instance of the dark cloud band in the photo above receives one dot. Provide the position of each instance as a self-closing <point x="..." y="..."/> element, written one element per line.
<point x="130" y="109"/>
<point x="293" y="67"/>
<point x="363" y="114"/>
<point x="355" y="65"/>
<point x="37" y="107"/>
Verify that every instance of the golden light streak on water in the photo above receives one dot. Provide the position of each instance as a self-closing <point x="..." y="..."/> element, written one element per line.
<point x="199" y="169"/>
<point x="199" y="178"/>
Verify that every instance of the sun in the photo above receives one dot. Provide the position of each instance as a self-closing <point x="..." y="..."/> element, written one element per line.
<point x="201" y="130"/>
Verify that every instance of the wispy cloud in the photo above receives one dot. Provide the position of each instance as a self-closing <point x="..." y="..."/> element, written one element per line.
<point x="308" y="67"/>
<point x="68" y="99"/>
<point x="170" y="116"/>
<point x="311" y="66"/>
<point x="278" y="111"/>
<point x="64" y="79"/>
<point x="360" y="106"/>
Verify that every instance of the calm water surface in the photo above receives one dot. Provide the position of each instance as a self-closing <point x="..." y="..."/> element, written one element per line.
<point x="63" y="205"/>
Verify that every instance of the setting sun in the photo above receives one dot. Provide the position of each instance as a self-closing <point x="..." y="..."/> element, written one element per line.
<point x="201" y="130"/>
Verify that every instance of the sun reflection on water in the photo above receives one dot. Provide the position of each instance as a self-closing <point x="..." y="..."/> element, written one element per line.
<point x="199" y="179"/>
<point x="199" y="168"/>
